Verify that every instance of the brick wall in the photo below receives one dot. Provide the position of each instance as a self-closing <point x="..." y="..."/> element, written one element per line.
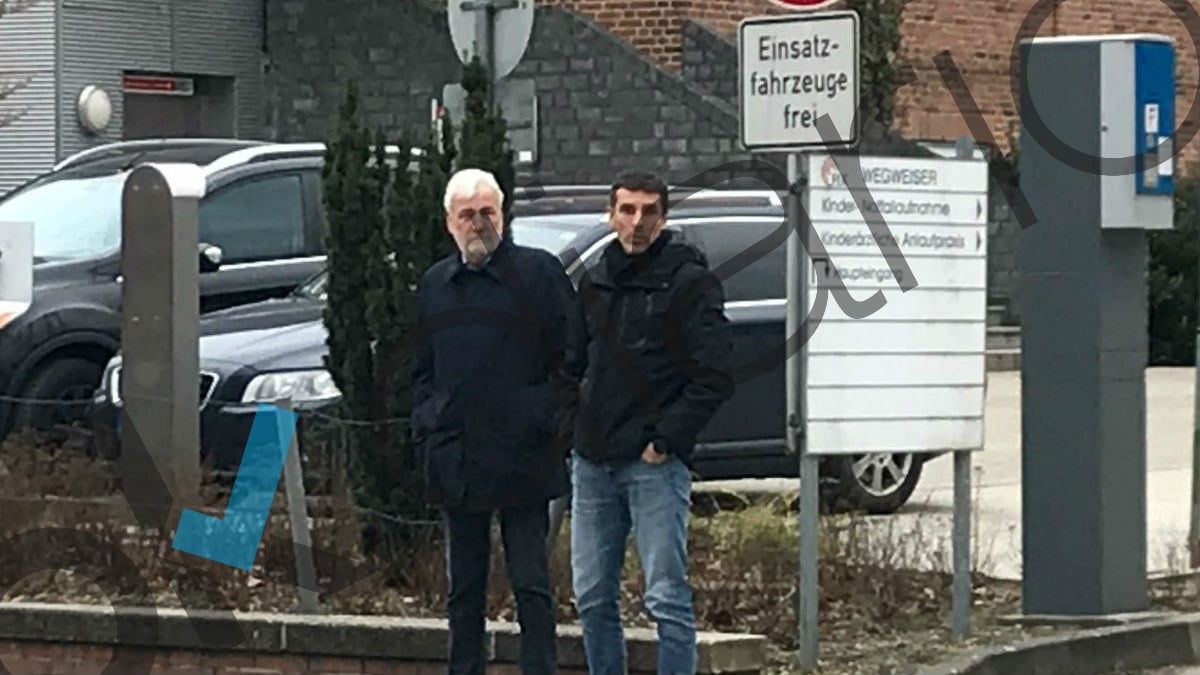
<point x="710" y="61"/>
<point x="654" y="27"/>
<point x="59" y="639"/>
<point x="603" y="106"/>
<point x="55" y="658"/>
<point x="979" y="34"/>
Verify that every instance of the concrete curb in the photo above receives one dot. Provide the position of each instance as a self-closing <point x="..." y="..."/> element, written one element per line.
<point x="338" y="636"/>
<point x="1139" y="646"/>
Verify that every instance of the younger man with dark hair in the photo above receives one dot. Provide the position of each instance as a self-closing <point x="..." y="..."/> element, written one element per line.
<point x="653" y="358"/>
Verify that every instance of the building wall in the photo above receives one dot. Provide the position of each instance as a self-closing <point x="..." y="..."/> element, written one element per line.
<point x="603" y="105"/>
<point x="27" y="142"/>
<point x="978" y="34"/>
<point x="101" y="39"/>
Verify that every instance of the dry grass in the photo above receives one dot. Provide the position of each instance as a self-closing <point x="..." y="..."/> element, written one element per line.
<point x="878" y="613"/>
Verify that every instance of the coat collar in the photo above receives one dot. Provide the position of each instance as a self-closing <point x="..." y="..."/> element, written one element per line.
<point x="616" y="268"/>
<point x="457" y="267"/>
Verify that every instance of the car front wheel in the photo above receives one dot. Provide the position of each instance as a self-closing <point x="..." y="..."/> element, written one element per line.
<point x="877" y="483"/>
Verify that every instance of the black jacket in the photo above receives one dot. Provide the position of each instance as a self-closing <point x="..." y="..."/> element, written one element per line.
<point x="489" y="417"/>
<point x="653" y="352"/>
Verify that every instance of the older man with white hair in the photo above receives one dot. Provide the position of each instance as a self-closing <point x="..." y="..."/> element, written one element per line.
<point x="493" y="413"/>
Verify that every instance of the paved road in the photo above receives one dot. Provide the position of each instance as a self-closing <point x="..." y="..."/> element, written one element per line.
<point x="997" y="483"/>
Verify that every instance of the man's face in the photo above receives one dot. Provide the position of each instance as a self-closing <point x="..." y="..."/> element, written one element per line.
<point x="476" y="223"/>
<point x="637" y="218"/>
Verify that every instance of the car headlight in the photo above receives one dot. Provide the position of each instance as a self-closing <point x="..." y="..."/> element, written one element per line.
<point x="298" y="386"/>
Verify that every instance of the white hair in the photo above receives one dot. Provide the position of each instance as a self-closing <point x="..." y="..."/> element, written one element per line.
<point x="467" y="182"/>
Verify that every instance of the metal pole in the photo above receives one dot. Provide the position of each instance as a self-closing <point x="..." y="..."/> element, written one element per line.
<point x="297" y="503"/>
<point x="961" y="622"/>
<point x="1194" y="530"/>
<point x="797" y="278"/>
<point x="961" y="535"/>
<point x="491" y="55"/>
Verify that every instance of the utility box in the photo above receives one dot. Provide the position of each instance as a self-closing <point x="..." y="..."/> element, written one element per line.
<point x="1098" y="171"/>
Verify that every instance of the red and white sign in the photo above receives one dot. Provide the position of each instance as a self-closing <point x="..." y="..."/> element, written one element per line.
<point x="164" y="85"/>
<point x="803" y="5"/>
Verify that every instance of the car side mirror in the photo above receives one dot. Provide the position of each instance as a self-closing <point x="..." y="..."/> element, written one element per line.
<point x="210" y="258"/>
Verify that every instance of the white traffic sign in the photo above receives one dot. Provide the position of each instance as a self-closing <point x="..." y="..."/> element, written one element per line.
<point x="470" y="32"/>
<point x="793" y="70"/>
<point x="909" y="377"/>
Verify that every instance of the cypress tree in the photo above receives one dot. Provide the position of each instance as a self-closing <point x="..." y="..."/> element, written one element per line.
<point x="351" y="207"/>
<point x="365" y="204"/>
<point x="484" y="139"/>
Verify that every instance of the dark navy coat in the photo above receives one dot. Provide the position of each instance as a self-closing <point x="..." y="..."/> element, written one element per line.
<point x="491" y="417"/>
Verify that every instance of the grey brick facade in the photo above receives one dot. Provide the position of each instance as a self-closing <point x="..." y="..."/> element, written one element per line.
<point x="603" y="107"/>
<point x="710" y="62"/>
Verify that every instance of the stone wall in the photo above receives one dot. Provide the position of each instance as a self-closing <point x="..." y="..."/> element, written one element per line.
<point x="603" y="105"/>
<point x="710" y="61"/>
<point x="978" y="34"/>
<point x="40" y="638"/>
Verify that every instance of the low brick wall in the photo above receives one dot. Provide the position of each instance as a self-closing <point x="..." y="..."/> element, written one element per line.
<point x="49" y="639"/>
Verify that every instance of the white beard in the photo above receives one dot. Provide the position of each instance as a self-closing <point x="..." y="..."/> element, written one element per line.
<point x="476" y="249"/>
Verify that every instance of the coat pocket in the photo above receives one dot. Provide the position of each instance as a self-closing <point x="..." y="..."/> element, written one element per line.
<point x="442" y="458"/>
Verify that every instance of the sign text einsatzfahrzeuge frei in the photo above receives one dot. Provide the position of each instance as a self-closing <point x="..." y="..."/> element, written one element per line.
<point x="793" y="70"/>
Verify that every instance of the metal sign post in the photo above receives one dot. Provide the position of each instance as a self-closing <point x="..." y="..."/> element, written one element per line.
<point x="160" y="379"/>
<point x="775" y="53"/>
<point x="297" y="506"/>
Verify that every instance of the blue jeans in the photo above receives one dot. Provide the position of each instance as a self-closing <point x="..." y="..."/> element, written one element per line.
<point x="606" y="503"/>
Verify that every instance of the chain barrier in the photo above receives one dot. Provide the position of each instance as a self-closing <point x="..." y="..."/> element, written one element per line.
<point x="213" y="404"/>
<point x="324" y="452"/>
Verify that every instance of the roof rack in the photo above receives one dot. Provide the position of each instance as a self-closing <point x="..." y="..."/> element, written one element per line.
<point x="679" y="196"/>
<point x="148" y="143"/>
<point x="276" y="151"/>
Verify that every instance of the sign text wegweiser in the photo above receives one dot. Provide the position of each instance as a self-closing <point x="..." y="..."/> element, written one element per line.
<point x="792" y="71"/>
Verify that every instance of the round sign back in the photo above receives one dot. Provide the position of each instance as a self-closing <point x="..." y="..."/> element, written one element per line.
<point x="803" y="4"/>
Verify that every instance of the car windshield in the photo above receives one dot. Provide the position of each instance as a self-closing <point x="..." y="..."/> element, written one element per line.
<point x="551" y="233"/>
<point x="76" y="217"/>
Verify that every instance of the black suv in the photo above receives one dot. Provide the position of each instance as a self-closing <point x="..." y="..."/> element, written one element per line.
<point x="262" y="210"/>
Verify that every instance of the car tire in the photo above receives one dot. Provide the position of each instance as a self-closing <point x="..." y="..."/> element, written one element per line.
<point x="73" y="380"/>
<point x="868" y="483"/>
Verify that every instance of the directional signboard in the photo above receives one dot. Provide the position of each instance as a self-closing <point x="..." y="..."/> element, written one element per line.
<point x="793" y="70"/>
<point x="910" y="377"/>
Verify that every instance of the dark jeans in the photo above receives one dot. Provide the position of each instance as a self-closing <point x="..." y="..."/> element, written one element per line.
<point x="526" y="558"/>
